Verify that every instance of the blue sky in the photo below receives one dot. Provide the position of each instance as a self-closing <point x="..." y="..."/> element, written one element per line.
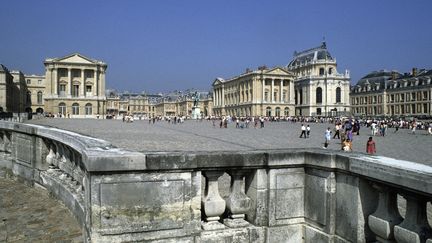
<point x="168" y="45"/>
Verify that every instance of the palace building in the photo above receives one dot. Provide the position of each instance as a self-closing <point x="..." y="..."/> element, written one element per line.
<point x="263" y="92"/>
<point x="319" y="89"/>
<point x="75" y="86"/>
<point x="390" y="93"/>
<point x="309" y="86"/>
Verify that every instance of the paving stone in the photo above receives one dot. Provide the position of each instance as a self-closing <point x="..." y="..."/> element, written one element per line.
<point x="202" y="136"/>
<point x="30" y="215"/>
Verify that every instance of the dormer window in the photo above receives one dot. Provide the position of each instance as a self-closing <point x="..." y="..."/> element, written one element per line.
<point x="321" y="71"/>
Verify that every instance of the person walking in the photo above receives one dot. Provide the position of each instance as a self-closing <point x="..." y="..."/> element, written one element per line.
<point x="303" y="131"/>
<point x="430" y="128"/>
<point x="337" y="128"/>
<point x="327" y="136"/>
<point x="370" y="146"/>
<point x="308" y="129"/>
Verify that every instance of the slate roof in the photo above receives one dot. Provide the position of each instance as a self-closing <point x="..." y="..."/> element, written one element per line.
<point x="308" y="55"/>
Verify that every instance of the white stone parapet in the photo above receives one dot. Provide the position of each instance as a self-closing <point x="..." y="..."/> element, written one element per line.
<point x="293" y="195"/>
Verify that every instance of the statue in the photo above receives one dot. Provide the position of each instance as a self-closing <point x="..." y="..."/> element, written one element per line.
<point x="196" y="99"/>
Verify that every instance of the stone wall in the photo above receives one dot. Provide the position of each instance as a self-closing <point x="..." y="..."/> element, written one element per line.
<point x="258" y="196"/>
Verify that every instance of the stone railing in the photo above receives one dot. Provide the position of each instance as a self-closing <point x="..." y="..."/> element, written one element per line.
<point x="258" y="196"/>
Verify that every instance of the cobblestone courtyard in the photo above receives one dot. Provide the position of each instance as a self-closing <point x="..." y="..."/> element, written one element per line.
<point x="28" y="214"/>
<point x="202" y="136"/>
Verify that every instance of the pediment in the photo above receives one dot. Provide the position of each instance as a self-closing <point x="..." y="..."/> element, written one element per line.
<point x="76" y="58"/>
<point x="218" y="81"/>
<point x="278" y="71"/>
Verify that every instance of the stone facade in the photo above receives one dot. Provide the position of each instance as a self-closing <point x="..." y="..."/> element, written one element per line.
<point x="389" y="93"/>
<point x="36" y="92"/>
<point x="75" y="86"/>
<point x="263" y="92"/>
<point x="319" y="89"/>
<point x="309" y="86"/>
<point x="13" y="91"/>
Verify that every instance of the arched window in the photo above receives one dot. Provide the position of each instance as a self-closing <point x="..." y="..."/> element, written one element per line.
<point x="88" y="109"/>
<point x="338" y="95"/>
<point x="75" y="109"/>
<point x="39" y="97"/>
<point x="268" y="111"/>
<point x="62" y="108"/>
<point x="277" y="111"/>
<point x="319" y="95"/>
<point x="286" y="111"/>
<point x="28" y="98"/>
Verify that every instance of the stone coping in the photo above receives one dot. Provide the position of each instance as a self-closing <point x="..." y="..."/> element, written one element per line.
<point x="100" y="156"/>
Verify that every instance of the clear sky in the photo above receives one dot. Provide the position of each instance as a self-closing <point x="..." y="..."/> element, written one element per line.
<point x="178" y="44"/>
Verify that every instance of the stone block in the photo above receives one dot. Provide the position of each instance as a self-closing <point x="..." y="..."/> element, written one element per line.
<point x="286" y="196"/>
<point x="132" y="203"/>
<point x="286" y="234"/>
<point x="23" y="148"/>
<point x="315" y="236"/>
<point x="241" y="235"/>
<point x="355" y="200"/>
<point x="316" y="199"/>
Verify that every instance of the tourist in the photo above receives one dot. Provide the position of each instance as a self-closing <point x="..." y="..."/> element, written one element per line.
<point x="413" y="128"/>
<point x="370" y="146"/>
<point x="430" y="128"/>
<point x="308" y="129"/>
<point x="303" y="131"/>
<point x="337" y="128"/>
<point x="347" y="145"/>
<point x="327" y="136"/>
<point x="349" y="135"/>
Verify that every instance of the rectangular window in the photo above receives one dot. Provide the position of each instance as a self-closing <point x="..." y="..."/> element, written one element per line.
<point x="75" y="91"/>
<point x="425" y="108"/>
<point x="88" y="90"/>
<point x="425" y="95"/>
<point x="39" y="81"/>
<point x="28" y="81"/>
<point x="402" y="97"/>
<point x="62" y="90"/>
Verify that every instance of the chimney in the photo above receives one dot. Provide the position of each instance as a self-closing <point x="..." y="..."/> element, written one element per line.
<point x="414" y="72"/>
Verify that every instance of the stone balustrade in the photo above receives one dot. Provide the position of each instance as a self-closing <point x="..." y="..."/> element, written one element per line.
<point x="258" y="196"/>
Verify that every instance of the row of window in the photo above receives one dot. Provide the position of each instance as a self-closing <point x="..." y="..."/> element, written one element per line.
<point x="423" y="108"/>
<point x="75" y="90"/>
<point x="38" y="82"/>
<point x="75" y="109"/>
<point x="318" y="96"/>
<point x="39" y="98"/>
<point x="391" y="98"/>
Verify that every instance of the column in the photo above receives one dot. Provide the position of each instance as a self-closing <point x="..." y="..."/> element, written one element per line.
<point x="291" y="91"/>
<point x="95" y="82"/>
<point x="69" y="91"/>
<point x="263" y="90"/>
<point x="223" y="96"/>
<point x="272" y="91"/>
<point x="55" y="82"/>
<point x="281" y="91"/>
<point x="82" y="83"/>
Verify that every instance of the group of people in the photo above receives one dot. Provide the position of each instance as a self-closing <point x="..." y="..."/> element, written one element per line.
<point x="344" y="132"/>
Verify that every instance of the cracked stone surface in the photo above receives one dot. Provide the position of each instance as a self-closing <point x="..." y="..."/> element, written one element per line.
<point x="29" y="214"/>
